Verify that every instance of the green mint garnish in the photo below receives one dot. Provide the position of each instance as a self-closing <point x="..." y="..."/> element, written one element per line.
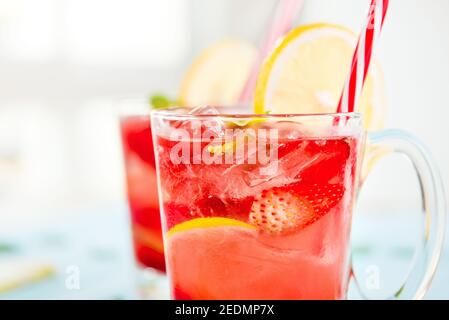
<point x="160" y="101"/>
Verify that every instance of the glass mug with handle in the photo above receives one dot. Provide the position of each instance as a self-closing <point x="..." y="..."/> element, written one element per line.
<point x="260" y="206"/>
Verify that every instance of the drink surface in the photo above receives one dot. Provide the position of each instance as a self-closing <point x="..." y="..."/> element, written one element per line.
<point x="247" y="231"/>
<point x="142" y="191"/>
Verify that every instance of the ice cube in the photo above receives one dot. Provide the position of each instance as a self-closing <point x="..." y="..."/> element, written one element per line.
<point x="213" y="125"/>
<point x="282" y="171"/>
<point x="204" y="110"/>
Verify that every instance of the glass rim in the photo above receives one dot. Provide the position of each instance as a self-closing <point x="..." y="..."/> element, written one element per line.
<point x="170" y="114"/>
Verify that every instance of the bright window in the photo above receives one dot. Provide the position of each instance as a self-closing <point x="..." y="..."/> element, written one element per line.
<point x="131" y="32"/>
<point x="26" y="29"/>
<point x="119" y="33"/>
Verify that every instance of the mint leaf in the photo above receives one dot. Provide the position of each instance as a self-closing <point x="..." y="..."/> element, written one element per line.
<point x="160" y="101"/>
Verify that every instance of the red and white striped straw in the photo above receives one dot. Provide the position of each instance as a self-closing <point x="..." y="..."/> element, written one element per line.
<point x="362" y="56"/>
<point x="285" y="13"/>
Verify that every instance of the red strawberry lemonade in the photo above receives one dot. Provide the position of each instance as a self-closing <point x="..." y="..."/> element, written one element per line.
<point x="142" y="191"/>
<point x="242" y="229"/>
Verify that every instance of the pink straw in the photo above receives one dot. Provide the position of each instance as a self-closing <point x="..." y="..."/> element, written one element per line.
<point x="362" y="56"/>
<point x="286" y="11"/>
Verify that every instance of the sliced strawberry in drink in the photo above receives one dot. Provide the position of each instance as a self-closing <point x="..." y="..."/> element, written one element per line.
<point x="276" y="211"/>
<point x="322" y="197"/>
<point x="291" y="208"/>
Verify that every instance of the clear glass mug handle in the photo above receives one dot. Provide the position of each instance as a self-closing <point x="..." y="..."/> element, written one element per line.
<point x="428" y="252"/>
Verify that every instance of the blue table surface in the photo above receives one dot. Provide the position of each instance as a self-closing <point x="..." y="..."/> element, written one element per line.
<point x="97" y="242"/>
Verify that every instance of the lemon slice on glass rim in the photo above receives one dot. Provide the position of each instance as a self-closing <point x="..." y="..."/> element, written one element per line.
<point x="307" y="70"/>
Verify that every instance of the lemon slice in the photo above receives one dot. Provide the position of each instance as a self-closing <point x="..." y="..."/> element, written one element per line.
<point x="306" y="73"/>
<point x="218" y="75"/>
<point x="203" y="223"/>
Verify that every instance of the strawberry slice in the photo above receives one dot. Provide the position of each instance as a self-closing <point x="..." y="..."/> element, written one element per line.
<point x="287" y="209"/>
<point x="323" y="197"/>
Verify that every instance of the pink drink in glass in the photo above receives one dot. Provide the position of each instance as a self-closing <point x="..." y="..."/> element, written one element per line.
<point x="232" y="233"/>
<point x="141" y="184"/>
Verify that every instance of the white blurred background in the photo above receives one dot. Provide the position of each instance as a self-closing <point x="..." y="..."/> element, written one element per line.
<point x="64" y="64"/>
